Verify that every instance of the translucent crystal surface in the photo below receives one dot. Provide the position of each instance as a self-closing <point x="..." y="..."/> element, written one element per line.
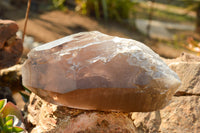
<point x="91" y="70"/>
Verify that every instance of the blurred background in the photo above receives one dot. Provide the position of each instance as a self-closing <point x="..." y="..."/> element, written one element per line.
<point x="169" y="27"/>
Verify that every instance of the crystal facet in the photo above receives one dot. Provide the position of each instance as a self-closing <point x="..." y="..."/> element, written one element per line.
<point x="94" y="71"/>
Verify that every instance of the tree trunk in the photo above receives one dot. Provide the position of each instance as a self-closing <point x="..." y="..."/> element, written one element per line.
<point x="198" y="19"/>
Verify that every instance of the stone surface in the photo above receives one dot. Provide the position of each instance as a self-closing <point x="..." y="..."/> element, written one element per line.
<point x="8" y="29"/>
<point x="91" y="70"/>
<point x="10" y="47"/>
<point x="187" y="66"/>
<point x="160" y="29"/>
<point x="50" y="118"/>
<point x="183" y="113"/>
<point x="181" y="116"/>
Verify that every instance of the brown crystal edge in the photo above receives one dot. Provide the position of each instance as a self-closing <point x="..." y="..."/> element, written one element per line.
<point x="107" y="99"/>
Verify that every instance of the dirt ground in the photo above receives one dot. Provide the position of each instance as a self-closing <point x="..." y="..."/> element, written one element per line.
<point x="51" y="25"/>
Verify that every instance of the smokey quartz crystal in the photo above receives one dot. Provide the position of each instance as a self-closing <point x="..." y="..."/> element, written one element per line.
<point x="94" y="71"/>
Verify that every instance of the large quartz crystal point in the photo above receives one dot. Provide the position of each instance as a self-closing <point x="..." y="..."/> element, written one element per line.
<point x="94" y="71"/>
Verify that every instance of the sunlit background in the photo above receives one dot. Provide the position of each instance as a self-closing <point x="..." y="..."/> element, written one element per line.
<point x="169" y="27"/>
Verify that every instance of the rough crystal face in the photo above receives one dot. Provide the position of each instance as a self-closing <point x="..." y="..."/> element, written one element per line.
<point x="94" y="71"/>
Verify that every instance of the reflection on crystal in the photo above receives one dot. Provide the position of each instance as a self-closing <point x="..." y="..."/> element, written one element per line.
<point x="91" y="70"/>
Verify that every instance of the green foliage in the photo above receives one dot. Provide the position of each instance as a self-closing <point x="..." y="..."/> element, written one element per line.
<point x="172" y="16"/>
<point x="8" y="115"/>
<point x="59" y="4"/>
<point x="108" y="9"/>
<point x="191" y="4"/>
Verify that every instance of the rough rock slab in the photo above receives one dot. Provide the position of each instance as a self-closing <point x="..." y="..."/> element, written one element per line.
<point x="187" y="66"/>
<point x="10" y="47"/>
<point x="50" y="118"/>
<point x="181" y="116"/>
<point x="94" y="71"/>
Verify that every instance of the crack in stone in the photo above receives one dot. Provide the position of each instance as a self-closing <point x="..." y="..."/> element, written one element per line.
<point x="179" y="93"/>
